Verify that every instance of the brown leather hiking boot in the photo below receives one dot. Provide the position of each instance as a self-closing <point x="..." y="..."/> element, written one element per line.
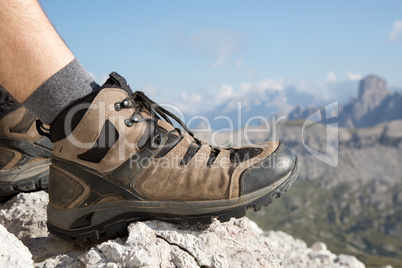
<point x="24" y="154"/>
<point x="121" y="160"/>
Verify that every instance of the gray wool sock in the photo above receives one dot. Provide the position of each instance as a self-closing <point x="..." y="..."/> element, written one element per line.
<point x="67" y="85"/>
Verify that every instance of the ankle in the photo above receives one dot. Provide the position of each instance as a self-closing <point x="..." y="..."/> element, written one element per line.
<point x="58" y="92"/>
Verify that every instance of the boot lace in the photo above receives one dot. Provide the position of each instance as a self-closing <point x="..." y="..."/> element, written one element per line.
<point x="139" y="101"/>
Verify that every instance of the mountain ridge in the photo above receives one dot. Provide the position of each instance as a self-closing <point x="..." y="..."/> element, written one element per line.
<point x="374" y="104"/>
<point x="354" y="206"/>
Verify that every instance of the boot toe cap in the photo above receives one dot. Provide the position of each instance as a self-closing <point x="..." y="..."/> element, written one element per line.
<point x="268" y="171"/>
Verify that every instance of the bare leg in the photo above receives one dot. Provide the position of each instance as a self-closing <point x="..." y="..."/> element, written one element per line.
<point x="31" y="51"/>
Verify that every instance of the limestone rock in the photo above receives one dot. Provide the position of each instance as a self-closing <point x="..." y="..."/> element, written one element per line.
<point x="13" y="253"/>
<point x="349" y="261"/>
<point x="237" y="243"/>
<point x="294" y="253"/>
<point x="374" y="104"/>
<point x="152" y="243"/>
<point x="25" y="216"/>
<point x="157" y="243"/>
<point x="372" y="90"/>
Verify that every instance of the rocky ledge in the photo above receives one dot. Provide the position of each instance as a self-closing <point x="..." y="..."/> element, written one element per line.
<point x="25" y="242"/>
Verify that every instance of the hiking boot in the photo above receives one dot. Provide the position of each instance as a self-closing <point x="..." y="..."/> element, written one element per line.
<point x="122" y="160"/>
<point x="24" y="154"/>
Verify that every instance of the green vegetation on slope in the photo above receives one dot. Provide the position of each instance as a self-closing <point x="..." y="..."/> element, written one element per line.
<point x="350" y="219"/>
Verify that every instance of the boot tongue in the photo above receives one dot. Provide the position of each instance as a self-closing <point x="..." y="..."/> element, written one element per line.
<point x="116" y="80"/>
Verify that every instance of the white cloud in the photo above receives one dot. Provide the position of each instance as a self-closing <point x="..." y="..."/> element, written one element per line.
<point x="354" y="77"/>
<point x="271" y="85"/>
<point x="197" y="98"/>
<point x="245" y="87"/>
<point x="306" y="86"/>
<point x="272" y="92"/>
<point x="248" y="93"/>
<point x="191" y="104"/>
<point x="225" y="92"/>
<point x="331" y="77"/>
<point x="330" y="88"/>
<point x="396" y="31"/>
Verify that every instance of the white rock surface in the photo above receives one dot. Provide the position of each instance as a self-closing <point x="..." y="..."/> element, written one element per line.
<point x="161" y="244"/>
<point x="25" y="217"/>
<point x="152" y="243"/>
<point x="294" y="253"/>
<point x="13" y="253"/>
<point x="237" y="243"/>
<point x="350" y="261"/>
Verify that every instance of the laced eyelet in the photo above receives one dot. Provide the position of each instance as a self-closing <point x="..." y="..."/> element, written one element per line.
<point x="156" y="141"/>
<point x="128" y="122"/>
<point x="117" y="106"/>
<point x="126" y="103"/>
<point x="135" y="119"/>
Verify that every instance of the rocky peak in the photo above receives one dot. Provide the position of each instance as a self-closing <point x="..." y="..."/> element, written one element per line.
<point x="372" y="90"/>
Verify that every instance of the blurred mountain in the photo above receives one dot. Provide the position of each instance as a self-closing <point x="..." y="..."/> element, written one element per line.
<point x="374" y="104"/>
<point x="253" y="106"/>
<point x="354" y="207"/>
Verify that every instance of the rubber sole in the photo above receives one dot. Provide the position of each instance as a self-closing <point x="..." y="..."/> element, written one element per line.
<point x="23" y="179"/>
<point x="117" y="225"/>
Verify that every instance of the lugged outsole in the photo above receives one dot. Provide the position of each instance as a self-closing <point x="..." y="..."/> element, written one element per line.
<point x="117" y="227"/>
<point x="35" y="183"/>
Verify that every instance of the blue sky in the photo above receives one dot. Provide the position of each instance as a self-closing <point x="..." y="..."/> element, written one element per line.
<point x="189" y="52"/>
